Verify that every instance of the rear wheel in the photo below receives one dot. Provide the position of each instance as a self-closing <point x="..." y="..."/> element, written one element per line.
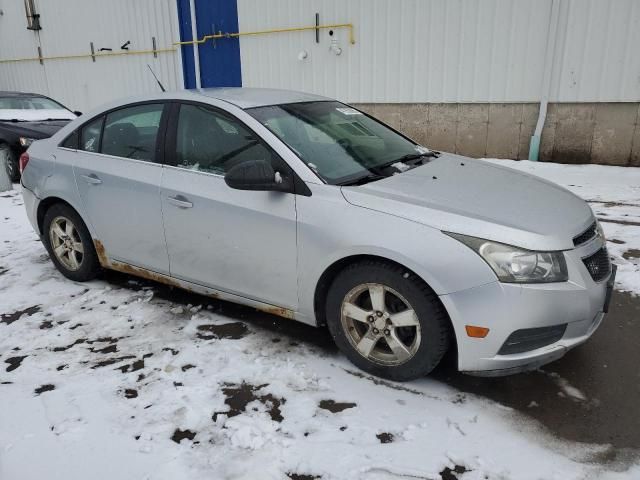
<point x="387" y="320"/>
<point x="9" y="162"/>
<point x="69" y="243"/>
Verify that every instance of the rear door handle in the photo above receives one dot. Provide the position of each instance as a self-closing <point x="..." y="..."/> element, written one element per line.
<point x="92" y="179"/>
<point x="180" y="201"/>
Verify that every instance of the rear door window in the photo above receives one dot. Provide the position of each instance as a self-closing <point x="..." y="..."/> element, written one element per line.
<point x="132" y="132"/>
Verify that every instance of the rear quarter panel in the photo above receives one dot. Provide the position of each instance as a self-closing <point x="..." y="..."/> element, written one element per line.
<point x="50" y="174"/>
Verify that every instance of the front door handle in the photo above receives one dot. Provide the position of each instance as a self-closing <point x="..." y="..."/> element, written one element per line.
<point x="180" y="201"/>
<point x="92" y="179"/>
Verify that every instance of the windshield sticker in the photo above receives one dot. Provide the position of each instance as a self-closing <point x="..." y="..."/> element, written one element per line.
<point x="348" y="111"/>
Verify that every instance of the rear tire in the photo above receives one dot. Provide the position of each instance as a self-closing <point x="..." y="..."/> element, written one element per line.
<point x="9" y="162"/>
<point x="69" y="243"/>
<point x="387" y="321"/>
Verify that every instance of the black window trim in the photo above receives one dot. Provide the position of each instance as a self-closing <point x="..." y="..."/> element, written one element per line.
<point x="170" y="144"/>
<point x="162" y="129"/>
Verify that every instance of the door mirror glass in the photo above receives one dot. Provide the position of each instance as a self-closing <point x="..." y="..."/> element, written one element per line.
<point x="255" y="175"/>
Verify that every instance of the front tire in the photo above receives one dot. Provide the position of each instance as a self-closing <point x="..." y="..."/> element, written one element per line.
<point x="69" y="243"/>
<point x="387" y="321"/>
<point x="9" y="162"/>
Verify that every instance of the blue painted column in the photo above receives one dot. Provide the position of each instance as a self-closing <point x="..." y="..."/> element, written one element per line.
<point x="219" y="59"/>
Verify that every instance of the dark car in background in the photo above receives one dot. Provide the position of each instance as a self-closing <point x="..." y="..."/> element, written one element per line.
<point x="25" y="117"/>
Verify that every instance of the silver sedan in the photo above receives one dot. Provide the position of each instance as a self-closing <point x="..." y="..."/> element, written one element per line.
<point x="310" y="209"/>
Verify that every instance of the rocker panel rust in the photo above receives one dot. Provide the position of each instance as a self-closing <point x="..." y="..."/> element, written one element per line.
<point x="158" y="277"/>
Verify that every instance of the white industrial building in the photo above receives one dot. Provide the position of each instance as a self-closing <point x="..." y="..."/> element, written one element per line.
<point x="468" y="76"/>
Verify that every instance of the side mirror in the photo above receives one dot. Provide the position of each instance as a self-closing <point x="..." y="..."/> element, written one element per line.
<point x="78" y="114"/>
<point x="256" y="175"/>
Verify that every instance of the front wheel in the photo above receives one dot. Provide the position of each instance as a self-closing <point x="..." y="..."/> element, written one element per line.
<point x="387" y="321"/>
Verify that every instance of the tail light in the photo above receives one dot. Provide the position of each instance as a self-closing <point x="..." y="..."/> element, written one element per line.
<point x="24" y="159"/>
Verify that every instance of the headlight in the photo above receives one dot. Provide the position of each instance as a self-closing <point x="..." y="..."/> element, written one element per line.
<point x="25" y="141"/>
<point x="516" y="265"/>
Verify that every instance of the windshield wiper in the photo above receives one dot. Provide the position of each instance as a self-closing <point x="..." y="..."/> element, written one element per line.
<point x="370" y="177"/>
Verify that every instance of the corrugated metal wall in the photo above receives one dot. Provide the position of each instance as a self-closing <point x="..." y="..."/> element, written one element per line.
<point x="446" y="50"/>
<point x="411" y="51"/>
<point x="68" y="28"/>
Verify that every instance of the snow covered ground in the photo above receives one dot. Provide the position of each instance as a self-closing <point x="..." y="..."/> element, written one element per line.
<point x="105" y="381"/>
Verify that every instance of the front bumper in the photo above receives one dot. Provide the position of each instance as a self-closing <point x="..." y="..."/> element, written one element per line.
<point x="504" y="308"/>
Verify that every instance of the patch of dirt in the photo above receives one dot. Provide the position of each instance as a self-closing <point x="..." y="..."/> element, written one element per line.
<point x="44" y="388"/>
<point x="239" y="396"/>
<point x="385" y="437"/>
<point x="9" y="318"/>
<point x="631" y="253"/>
<point x="75" y="326"/>
<point x="133" y="367"/>
<point x="448" y="474"/>
<point x="335" y="407"/>
<point x="14" y="362"/>
<point x="302" y="476"/>
<point x="130" y="393"/>
<point x="620" y="222"/>
<point x="61" y="367"/>
<point x="180" y="435"/>
<point x="113" y="348"/>
<point x="111" y="361"/>
<point x="64" y="349"/>
<point x="188" y="366"/>
<point x="232" y="330"/>
<point x="46" y="325"/>
<point x="3" y="270"/>
<point x="616" y="241"/>
<point x="173" y="351"/>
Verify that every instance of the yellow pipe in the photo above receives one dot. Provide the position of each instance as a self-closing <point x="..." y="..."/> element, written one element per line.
<point x="352" y="39"/>
<point x="191" y="42"/>
<point x="89" y="55"/>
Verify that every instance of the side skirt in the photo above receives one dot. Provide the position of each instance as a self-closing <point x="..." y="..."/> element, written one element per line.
<point x="107" y="263"/>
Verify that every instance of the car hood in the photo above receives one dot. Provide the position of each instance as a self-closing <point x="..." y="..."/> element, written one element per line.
<point x="474" y="197"/>
<point x="37" y="130"/>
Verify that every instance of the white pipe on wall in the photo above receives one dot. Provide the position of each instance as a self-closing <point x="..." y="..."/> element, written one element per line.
<point x="194" y="36"/>
<point x="549" y="57"/>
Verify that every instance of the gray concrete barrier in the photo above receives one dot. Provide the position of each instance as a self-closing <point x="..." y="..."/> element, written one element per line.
<point x="604" y="133"/>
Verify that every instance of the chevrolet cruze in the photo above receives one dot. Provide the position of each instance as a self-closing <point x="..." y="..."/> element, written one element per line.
<point x="304" y="207"/>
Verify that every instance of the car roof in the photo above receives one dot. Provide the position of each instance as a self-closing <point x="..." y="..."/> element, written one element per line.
<point x="19" y="94"/>
<point x="257" y="97"/>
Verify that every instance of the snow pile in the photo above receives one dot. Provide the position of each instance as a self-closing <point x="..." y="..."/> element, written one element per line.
<point x="113" y="380"/>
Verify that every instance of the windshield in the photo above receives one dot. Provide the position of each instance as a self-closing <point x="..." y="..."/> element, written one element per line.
<point x="338" y="142"/>
<point x="29" y="103"/>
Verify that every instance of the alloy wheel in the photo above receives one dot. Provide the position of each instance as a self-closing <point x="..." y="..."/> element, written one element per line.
<point x="380" y="324"/>
<point x="66" y="243"/>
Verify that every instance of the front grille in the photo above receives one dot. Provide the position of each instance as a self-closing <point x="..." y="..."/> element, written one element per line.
<point x="527" y="339"/>
<point x="598" y="264"/>
<point x="585" y="236"/>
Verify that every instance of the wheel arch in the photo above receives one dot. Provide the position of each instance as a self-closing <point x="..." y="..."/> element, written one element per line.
<point x="330" y="273"/>
<point x="47" y="203"/>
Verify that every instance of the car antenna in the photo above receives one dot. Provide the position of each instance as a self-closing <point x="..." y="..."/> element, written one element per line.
<point x="154" y="76"/>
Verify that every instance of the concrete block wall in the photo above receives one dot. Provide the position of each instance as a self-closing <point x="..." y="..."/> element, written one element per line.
<point x="604" y="133"/>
